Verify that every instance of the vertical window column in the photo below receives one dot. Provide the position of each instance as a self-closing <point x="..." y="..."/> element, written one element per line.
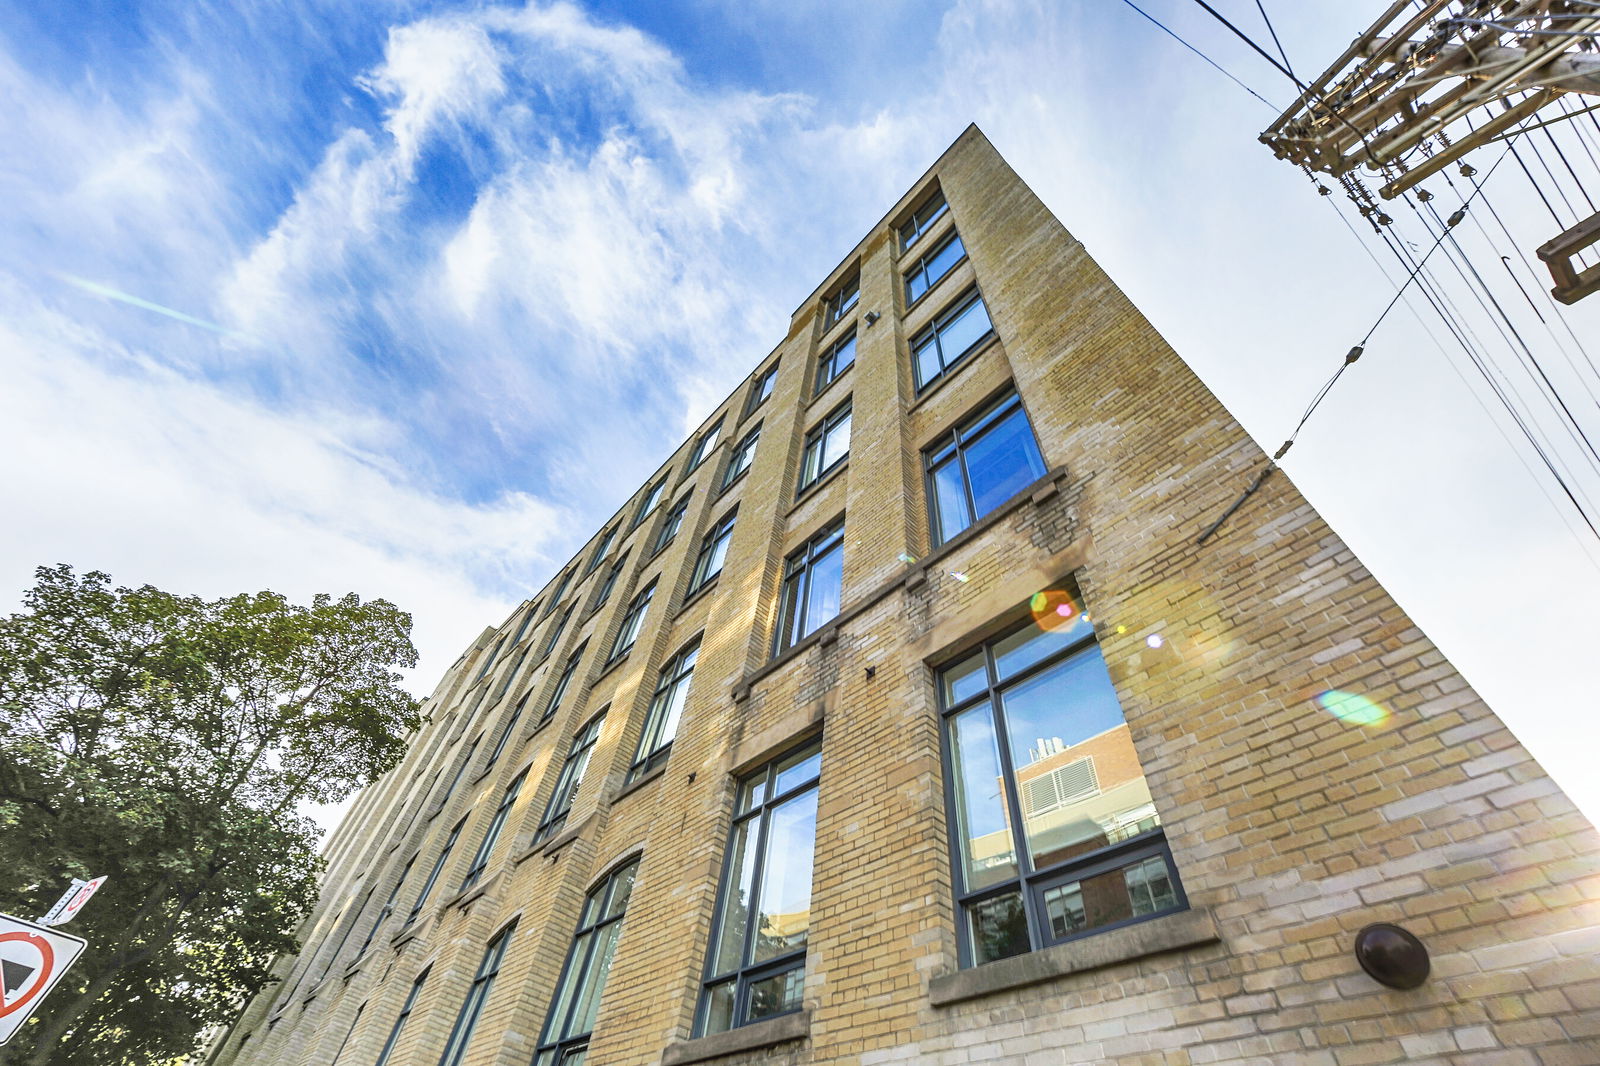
<point x="568" y="1026"/>
<point x="455" y="1049"/>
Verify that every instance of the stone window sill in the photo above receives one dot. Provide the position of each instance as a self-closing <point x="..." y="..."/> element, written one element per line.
<point x="770" y="1033"/>
<point x="698" y="594"/>
<point x="826" y="477"/>
<point x="1172" y="932"/>
<point x="633" y="786"/>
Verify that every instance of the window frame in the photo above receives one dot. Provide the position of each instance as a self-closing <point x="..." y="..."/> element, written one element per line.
<point x="652" y="498"/>
<point x="506" y="730"/>
<point x="817" y="437"/>
<point x="600" y="551"/>
<point x="800" y="566"/>
<point x="671" y="524"/>
<point x="558" y="590"/>
<point x="747" y="973"/>
<point x="570" y="779"/>
<point x="920" y="269"/>
<point x="492" y="831"/>
<point x="934" y="331"/>
<point x="494" y="955"/>
<point x="404" y="1015"/>
<point x="564" y="682"/>
<point x="761" y="389"/>
<point x="741" y="457"/>
<point x="842" y="300"/>
<point x="633" y="621"/>
<point x="719" y="535"/>
<point x="553" y="638"/>
<point x="609" y="582"/>
<point x="434" y="874"/>
<point x="388" y="907"/>
<point x="953" y="447"/>
<point x="703" y="446"/>
<point x="920" y="225"/>
<point x="829" y="369"/>
<point x="675" y="671"/>
<point x="1029" y="883"/>
<point x="585" y="937"/>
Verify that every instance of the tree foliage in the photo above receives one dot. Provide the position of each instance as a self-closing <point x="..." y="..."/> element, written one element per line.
<point x="170" y="743"/>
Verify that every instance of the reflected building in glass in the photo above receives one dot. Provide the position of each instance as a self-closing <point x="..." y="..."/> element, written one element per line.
<point x="901" y="717"/>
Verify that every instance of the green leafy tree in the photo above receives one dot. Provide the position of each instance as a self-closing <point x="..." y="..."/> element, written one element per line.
<point x="170" y="743"/>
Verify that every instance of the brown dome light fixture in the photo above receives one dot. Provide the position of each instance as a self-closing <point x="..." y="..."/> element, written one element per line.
<point x="1392" y="956"/>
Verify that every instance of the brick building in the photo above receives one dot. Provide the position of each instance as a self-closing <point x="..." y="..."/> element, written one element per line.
<point x="900" y="717"/>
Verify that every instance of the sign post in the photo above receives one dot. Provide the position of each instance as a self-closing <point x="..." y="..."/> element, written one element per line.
<point x="68" y="906"/>
<point x="32" y="959"/>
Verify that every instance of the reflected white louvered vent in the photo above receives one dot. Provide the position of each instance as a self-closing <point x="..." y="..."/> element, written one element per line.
<point x="1064" y="784"/>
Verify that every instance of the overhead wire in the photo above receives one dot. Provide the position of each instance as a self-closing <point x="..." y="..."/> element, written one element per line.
<point x="1159" y="25"/>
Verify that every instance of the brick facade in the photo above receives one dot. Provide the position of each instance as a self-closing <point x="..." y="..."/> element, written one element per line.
<point x="1289" y="826"/>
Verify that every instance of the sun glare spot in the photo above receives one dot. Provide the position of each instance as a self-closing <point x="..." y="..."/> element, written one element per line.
<point x="1352" y="708"/>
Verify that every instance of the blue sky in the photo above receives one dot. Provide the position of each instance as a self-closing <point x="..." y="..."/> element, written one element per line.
<point x="448" y="280"/>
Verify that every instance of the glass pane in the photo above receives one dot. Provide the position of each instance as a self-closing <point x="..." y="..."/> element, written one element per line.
<point x="966" y="678"/>
<point x="916" y="284"/>
<point x="800" y="767"/>
<point x="719" y="552"/>
<point x="845" y="355"/>
<point x="1028" y="645"/>
<point x="999" y="928"/>
<point x="675" y="701"/>
<point x="927" y="357"/>
<point x="594" y="981"/>
<point x="1133" y="891"/>
<point x="963" y="331"/>
<point x="1002" y="462"/>
<point x="575" y="1056"/>
<point x="778" y="994"/>
<point x="944" y="259"/>
<point x="837" y="446"/>
<point x="736" y="899"/>
<point x="789" y="624"/>
<point x="719" y="1008"/>
<point x="1078" y="777"/>
<point x="785" y="904"/>
<point x="621" y="889"/>
<point x="752" y="793"/>
<point x="982" y="830"/>
<point x="811" y="465"/>
<point x="822" y="598"/>
<point x="950" y="500"/>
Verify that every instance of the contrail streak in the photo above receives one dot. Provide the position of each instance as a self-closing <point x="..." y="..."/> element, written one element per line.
<point x="116" y="294"/>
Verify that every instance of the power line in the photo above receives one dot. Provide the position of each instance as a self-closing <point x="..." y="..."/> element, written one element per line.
<point x="1158" y="24"/>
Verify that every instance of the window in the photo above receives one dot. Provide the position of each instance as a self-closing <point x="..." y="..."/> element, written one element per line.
<point x="505" y="732"/>
<point x="739" y="461"/>
<point x="712" y="551"/>
<point x="560" y="805"/>
<point x="455" y="1049"/>
<point x="522" y="625"/>
<point x="841" y="354"/>
<point x="761" y="390"/>
<point x="565" y="1039"/>
<point x="555" y="632"/>
<point x="812" y="580"/>
<point x="666" y="707"/>
<point x="632" y="622"/>
<point x="652" y="497"/>
<point x="347" y="1034"/>
<point x="671" y="525"/>
<point x="922" y="218"/>
<point x="756" y="966"/>
<point x="491" y="835"/>
<point x="388" y="907"/>
<point x="979" y="466"/>
<point x="489" y="660"/>
<point x="933" y="266"/>
<point x="461" y="770"/>
<point x="600" y="550"/>
<point x="433" y="875"/>
<point x="610" y="580"/>
<point x="355" y="916"/>
<point x="557" y="592"/>
<point x="563" y="683"/>
<point x="956" y="331"/>
<point x="511" y="674"/>
<point x="703" y="446"/>
<point x="1056" y="832"/>
<point x="400" y="1022"/>
<point x="827" y="445"/>
<point x="841" y="301"/>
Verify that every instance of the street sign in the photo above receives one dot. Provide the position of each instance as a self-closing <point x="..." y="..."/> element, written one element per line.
<point x="68" y="906"/>
<point x="32" y="960"/>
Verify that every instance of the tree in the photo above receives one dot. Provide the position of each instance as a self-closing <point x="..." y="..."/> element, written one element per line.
<point x="171" y="743"/>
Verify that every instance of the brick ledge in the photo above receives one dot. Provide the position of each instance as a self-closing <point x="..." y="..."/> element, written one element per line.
<point x="774" y="1031"/>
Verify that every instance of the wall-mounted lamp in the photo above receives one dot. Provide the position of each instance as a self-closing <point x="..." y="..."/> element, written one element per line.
<point x="1392" y="956"/>
<point x="872" y="318"/>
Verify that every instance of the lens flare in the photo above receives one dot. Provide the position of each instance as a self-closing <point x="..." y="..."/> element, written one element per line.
<point x="1352" y="708"/>
<point x="906" y="557"/>
<point x="959" y="576"/>
<point x="1154" y="640"/>
<point x="1054" y="609"/>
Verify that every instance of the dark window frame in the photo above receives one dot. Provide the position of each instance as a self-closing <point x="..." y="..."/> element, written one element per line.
<point x="388" y="907"/>
<point x="492" y="831"/>
<point x="740" y="458"/>
<point x="494" y="955"/>
<point x="670" y="525"/>
<point x="558" y="590"/>
<point x="748" y="973"/>
<point x="934" y="331"/>
<point x="842" y="300"/>
<point x="570" y="779"/>
<point x="1029" y="883"/>
<point x="817" y="438"/>
<point x="829" y="368"/>
<point x="553" y="638"/>
<point x="794" y="596"/>
<point x="563" y="683"/>
<point x="609" y="582"/>
<point x="922" y="268"/>
<point x="556" y="1043"/>
<point x="600" y="551"/>
<point x="761" y="389"/>
<point x="675" y="671"/>
<point x="401" y="1018"/>
<point x="719" y="535"/>
<point x="703" y="446"/>
<point x="506" y="730"/>
<point x="652" y="499"/>
<point x="433" y="874"/>
<point x="953" y="447"/>
<point x="932" y="208"/>
<point x="633" y="621"/>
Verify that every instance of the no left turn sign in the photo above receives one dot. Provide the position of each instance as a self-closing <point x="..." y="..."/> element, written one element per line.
<point x="32" y="960"/>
